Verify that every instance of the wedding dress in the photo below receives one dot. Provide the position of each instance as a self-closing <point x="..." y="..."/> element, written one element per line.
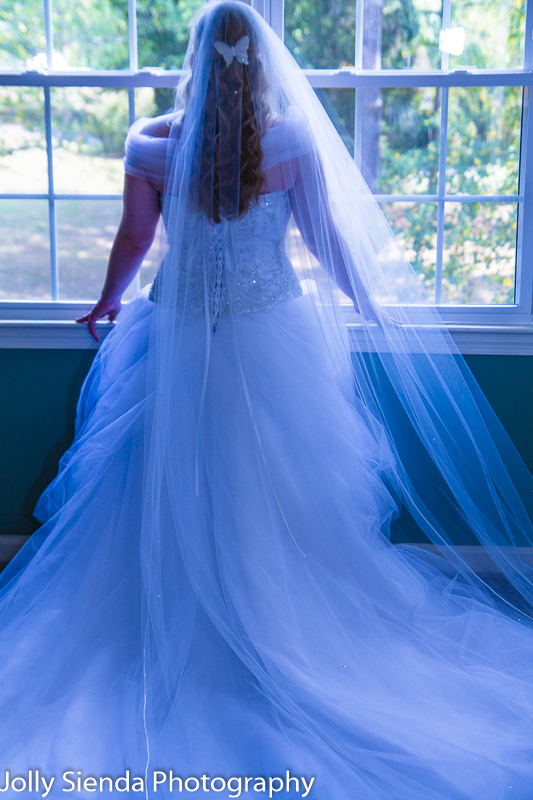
<point x="213" y="591"/>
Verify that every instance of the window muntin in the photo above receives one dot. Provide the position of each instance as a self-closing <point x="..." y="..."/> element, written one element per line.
<point x="419" y="121"/>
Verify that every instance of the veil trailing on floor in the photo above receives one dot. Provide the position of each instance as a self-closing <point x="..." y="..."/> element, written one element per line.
<point x="214" y="589"/>
<point x="365" y="329"/>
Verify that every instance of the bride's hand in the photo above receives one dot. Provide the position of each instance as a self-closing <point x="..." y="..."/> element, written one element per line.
<point x="370" y="315"/>
<point x="367" y="313"/>
<point x="105" y="307"/>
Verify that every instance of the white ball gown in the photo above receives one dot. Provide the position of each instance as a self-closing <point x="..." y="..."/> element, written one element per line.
<point x="244" y="617"/>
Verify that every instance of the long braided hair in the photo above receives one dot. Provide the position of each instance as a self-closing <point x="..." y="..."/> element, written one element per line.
<point x="236" y="113"/>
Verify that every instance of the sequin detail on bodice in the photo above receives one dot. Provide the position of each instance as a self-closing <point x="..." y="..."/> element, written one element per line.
<point x="253" y="273"/>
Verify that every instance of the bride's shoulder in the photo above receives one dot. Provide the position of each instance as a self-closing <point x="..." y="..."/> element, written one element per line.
<point x="156" y="127"/>
<point x="288" y="136"/>
<point x="292" y="120"/>
<point x="159" y="127"/>
<point x="146" y="146"/>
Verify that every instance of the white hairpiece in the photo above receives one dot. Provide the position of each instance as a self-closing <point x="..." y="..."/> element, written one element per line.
<point x="238" y="51"/>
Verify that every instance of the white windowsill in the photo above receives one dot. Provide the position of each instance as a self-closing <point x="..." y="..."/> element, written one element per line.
<point x="480" y="339"/>
<point x="54" y="334"/>
<point x="48" y="334"/>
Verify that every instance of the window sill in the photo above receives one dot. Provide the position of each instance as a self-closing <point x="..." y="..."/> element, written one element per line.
<point x="50" y="334"/>
<point x="473" y="339"/>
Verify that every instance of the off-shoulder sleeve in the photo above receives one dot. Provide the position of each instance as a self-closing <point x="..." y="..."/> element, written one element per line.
<point x="289" y="139"/>
<point x="145" y="154"/>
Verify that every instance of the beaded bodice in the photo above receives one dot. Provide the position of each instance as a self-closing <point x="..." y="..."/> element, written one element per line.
<point x="240" y="266"/>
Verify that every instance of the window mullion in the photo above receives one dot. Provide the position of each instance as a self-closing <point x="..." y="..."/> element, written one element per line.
<point x="443" y="151"/>
<point x="136" y="283"/>
<point x="358" y="61"/>
<point x="132" y="35"/>
<point x="524" y="240"/>
<point x="49" y="35"/>
<point x="359" y="16"/>
<point x="524" y="261"/>
<point x="273" y="12"/>
<point x="48" y="32"/>
<point x="446" y="23"/>
<point x="51" y="197"/>
<point x="277" y="17"/>
<point x="528" y="42"/>
<point x="131" y="105"/>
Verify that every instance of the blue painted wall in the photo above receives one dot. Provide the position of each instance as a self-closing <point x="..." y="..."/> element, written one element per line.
<point x="39" y="388"/>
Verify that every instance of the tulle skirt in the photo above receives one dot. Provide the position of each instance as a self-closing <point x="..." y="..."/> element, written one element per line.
<point x="296" y="652"/>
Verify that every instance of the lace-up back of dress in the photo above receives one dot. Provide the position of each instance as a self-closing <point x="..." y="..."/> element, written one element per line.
<point x="242" y="269"/>
<point x="240" y="266"/>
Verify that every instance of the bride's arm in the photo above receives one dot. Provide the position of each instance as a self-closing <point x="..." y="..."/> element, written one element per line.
<point x="133" y="240"/>
<point x="313" y="216"/>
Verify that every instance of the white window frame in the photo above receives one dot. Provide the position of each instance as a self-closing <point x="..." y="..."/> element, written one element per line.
<point x="50" y="322"/>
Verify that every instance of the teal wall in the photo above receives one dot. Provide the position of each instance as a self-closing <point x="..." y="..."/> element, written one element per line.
<point x="38" y="391"/>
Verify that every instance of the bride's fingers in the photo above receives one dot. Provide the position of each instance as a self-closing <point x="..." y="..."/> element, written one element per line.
<point x="91" y="324"/>
<point x="113" y="314"/>
<point x="90" y="319"/>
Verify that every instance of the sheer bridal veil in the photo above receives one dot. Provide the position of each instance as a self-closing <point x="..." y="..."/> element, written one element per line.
<point x="439" y="447"/>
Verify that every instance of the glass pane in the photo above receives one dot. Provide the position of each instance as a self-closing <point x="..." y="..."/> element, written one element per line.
<point x="90" y="34"/>
<point x="151" y="102"/>
<point x="21" y="34"/>
<point x="321" y="34"/>
<point x="24" y="250"/>
<point x="415" y="225"/>
<point x="483" y="140"/>
<point x="89" y="128"/>
<point x="85" y="233"/>
<point x="494" y="33"/>
<point x="23" y="165"/>
<point x="400" y="140"/>
<point x="163" y="31"/>
<point x="409" y="32"/>
<point x="479" y="253"/>
<point x="340" y="105"/>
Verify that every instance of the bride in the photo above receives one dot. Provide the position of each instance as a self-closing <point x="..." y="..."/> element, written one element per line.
<point x="213" y="602"/>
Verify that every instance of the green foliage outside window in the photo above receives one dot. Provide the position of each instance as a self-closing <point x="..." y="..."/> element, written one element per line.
<point x="89" y="124"/>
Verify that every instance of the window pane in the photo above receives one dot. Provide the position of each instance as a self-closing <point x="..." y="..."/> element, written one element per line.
<point x="409" y="32"/>
<point x="85" y="233"/>
<point x="151" y="102"/>
<point x="415" y="225"/>
<point x="21" y="34"/>
<point x="340" y="106"/>
<point x="24" y="250"/>
<point x="89" y="128"/>
<point x="483" y="140"/>
<point x="479" y="253"/>
<point x="23" y="165"/>
<point x="494" y="33"/>
<point x="400" y="140"/>
<point x="90" y="34"/>
<point x="163" y="31"/>
<point x="321" y="33"/>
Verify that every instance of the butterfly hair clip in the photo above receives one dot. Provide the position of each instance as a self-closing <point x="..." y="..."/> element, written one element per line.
<point x="238" y="51"/>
